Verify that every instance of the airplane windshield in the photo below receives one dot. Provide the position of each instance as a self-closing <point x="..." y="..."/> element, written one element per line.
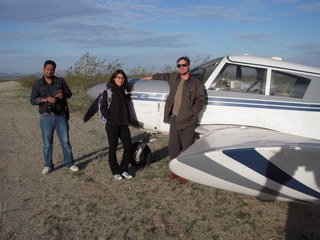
<point x="204" y="71"/>
<point x="238" y="78"/>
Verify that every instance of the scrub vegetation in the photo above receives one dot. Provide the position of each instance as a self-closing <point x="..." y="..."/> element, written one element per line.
<point x="89" y="71"/>
<point x="89" y="204"/>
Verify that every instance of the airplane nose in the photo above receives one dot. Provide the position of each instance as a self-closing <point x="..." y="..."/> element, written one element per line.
<point x="94" y="91"/>
<point x="133" y="80"/>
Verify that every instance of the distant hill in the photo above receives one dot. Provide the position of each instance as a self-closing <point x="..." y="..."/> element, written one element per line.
<point x="12" y="76"/>
<point x="5" y="76"/>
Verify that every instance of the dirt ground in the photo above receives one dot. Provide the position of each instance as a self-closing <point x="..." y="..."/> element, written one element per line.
<point x="89" y="204"/>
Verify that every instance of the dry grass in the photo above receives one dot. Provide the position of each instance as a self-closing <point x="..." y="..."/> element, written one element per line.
<point x="89" y="204"/>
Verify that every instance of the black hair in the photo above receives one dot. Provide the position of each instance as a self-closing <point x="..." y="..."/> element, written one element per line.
<point x="184" y="58"/>
<point x="112" y="83"/>
<point x="50" y="62"/>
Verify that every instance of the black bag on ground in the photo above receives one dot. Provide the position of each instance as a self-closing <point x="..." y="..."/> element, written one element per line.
<point x="141" y="154"/>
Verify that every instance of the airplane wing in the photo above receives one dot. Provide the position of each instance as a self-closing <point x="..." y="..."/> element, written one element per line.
<point x="263" y="163"/>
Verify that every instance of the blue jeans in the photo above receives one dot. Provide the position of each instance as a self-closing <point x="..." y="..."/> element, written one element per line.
<point x="49" y="123"/>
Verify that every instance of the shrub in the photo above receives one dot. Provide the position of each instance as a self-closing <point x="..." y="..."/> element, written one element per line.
<point x="89" y="71"/>
<point x="27" y="81"/>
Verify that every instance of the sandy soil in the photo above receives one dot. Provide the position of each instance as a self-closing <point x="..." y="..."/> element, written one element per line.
<point x="89" y="204"/>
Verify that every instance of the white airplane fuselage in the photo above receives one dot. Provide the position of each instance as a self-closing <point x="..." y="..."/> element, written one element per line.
<point x="271" y="110"/>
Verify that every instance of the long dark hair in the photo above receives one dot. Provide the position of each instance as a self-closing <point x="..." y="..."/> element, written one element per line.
<point x="112" y="83"/>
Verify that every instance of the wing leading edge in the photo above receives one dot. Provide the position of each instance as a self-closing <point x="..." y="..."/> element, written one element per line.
<point x="258" y="162"/>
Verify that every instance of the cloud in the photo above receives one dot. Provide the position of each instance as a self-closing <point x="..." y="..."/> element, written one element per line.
<point x="44" y="12"/>
<point x="87" y="24"/>
<point x="5" y="52"/>
<point x="94" y="35"/>
<point x="308" y="49"/>
<point x="310" y="7"/>
<point x="257" y="38"/>
<point x="308" y="54"/>
<point x="233" y="14"/>
<point x="120" y="28"/>
<point x="105" y="23"/>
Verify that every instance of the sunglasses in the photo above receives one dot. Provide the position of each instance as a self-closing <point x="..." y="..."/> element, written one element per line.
<point x="182" y="65"/>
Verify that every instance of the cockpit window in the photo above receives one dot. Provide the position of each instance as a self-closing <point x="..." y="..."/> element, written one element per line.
<point x="288" y="85"/>
<point x="204" y="71"/>
<point x="238" y="78"/>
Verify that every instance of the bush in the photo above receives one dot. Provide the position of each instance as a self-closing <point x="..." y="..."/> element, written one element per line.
<point x="139" y="72"/>
<point x="89" y="71"/>
<point x="27" y="81"/>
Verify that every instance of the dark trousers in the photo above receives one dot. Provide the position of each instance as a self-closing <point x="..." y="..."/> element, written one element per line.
<point x="114" y="133"/>
<point x="179" y="140"/>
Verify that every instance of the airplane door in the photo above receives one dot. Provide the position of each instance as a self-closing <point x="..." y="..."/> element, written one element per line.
<point x="237" y="96"/>
<point x="148" y="99"/>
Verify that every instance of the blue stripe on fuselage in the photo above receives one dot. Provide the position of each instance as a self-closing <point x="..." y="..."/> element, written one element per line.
<point x="255" y="161"/>
<point x="255" y="103"/>
<point x="235" y="102"/>
<point x="159" y="97"/>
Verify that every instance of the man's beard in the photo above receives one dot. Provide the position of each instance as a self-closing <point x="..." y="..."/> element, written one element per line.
<point x="185" y="73"/>
<point x="50" y="76"/>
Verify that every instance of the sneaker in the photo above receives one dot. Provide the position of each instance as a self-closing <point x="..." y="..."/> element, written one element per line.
<point x="46" y="170"/>
<point x="74" y="168"/>
<point x="126" y="175"/>
<point x="117" y="177"/>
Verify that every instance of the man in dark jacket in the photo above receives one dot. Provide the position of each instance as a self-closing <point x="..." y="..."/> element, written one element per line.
<point x="184" y="102"/>
<point x="50" y="93"/>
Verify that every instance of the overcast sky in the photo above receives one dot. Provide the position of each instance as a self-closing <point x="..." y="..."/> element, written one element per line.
<point x="153" y="32"/>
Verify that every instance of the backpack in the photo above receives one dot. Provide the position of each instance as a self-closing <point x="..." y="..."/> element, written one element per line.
<point x="100" y="101"/>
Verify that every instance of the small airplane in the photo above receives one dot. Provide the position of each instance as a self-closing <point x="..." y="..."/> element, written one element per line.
<point x="259" y="132"/>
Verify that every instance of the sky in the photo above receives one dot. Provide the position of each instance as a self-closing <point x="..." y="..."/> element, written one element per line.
<point x="154" y="33"/>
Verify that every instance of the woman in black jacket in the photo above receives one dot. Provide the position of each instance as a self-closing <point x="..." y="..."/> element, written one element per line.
<point x="116" y="111"/>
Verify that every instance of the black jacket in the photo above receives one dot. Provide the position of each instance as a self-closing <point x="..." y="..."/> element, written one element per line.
<point x="41" y="89"/>
<point x="193" y="99"/>
<point x="118" y="111"/>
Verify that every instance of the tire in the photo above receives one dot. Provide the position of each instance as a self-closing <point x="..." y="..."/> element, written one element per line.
<point x="145" y="156"/>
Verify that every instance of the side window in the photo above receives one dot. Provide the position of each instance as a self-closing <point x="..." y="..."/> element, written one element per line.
<point x="288" y="85"/>
<point x="237" y="78"/>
